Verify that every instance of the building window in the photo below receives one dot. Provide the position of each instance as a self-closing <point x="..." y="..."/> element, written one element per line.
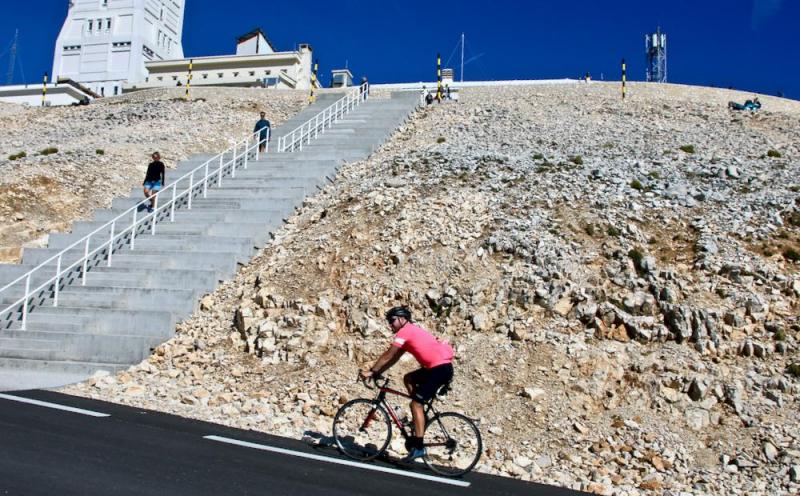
<point x="91" y="23"/>
<point x="174" y="78"/>
<point x="219" y="74"/>
<point x="104" y="3"/>
<point x="235" y="74"/>
<point x="205" y="76"/>
<point x="116" y="90"/>
<point x="268" y="72"/>
<point x="160" y="78"/>
<point x="102" y="91"/>
<point x="252" y="73"/>
<point x="108" y="24"/>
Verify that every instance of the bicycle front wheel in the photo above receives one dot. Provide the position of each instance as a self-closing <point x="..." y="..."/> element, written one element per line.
<point x="453" y="444"/>
<point x="362" y="429"/>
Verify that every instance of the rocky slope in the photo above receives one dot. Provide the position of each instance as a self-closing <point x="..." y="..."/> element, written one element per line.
<point x="58" y="164"/>
<point x="619" y="280"/>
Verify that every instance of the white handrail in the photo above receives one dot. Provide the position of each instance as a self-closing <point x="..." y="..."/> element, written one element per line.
<point x="323" y="119"/>
<point x="85" y="240"/>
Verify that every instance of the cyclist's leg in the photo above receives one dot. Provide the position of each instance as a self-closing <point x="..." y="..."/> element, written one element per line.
<point x="412" y="380"/>
<point x="423" y="393"/>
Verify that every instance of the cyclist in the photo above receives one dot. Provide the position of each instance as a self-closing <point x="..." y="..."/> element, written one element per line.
<point x="435" y="358"/>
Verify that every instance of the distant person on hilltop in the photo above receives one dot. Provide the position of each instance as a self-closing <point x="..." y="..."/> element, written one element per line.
<point x="364" y="87"/>
<point x="263" y="126"/>
<point x="751" y="105"/>
<point x="154" y="180"/>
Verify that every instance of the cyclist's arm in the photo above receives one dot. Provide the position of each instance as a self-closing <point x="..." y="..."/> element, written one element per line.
<point x="385" y="362"/>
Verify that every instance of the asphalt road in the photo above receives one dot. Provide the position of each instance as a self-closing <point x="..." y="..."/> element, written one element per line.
<point x="129" y="451"/>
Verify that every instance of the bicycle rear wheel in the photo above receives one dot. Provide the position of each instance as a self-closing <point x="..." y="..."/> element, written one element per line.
<point x="362" y="430"/>
<point x="453" y="444"/>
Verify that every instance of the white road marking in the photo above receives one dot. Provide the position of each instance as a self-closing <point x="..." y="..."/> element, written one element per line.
<point x="53" y="405"/>
<point x="349" y="463"/>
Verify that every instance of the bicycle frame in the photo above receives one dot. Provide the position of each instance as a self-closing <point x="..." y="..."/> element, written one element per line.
<point x="380" y="400"/>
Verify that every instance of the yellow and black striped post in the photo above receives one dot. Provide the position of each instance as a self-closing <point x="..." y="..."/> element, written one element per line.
<point x="189" y="79"/>
<point x="311" y="97"/>
<point x="44" y="89"/>
<point x="623" y="78"/>
<point x="438" y="77"/>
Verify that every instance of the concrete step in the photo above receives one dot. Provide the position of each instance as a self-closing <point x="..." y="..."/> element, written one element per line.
<point x="156" y="324"/>
<point x="61" y="346"/>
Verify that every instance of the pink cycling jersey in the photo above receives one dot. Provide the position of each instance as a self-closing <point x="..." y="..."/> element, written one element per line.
<point x="428" y="351"/>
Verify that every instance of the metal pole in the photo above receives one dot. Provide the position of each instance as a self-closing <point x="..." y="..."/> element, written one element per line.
<point x="269" y="134"/>
<point x="155" y="214"/>
<point x="462" y="57"/>
<point x="58" y="279"/>
<point x="205" y="182"/>
<point x="623" y="79"/>
<point x="219" y="174"/>
<point x="246" y="151"/>
<point x="189" y="79"/>
<point x="25" y="303"/>
<point x="133" y="230"/>
<point x="85" y="260"/>
<point x="233" y="162"/>
<point x="44" y="89"/>
<point x="191" y="192"/>
<point x="111" y="243"/>
<point x="438" y="77"/>
<point x="172" y="206"/>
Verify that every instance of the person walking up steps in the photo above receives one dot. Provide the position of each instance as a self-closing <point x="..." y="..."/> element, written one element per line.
<point x="262" y="125"/>
<point x="436" y="359"/>
<point x="154" y="180"/>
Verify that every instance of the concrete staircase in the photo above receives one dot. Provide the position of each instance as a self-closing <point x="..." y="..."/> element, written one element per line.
<point x="130" y="306"/>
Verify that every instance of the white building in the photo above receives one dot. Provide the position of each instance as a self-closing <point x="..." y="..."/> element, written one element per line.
<point x="255" y="64"/>
<point x="104" y="43"/>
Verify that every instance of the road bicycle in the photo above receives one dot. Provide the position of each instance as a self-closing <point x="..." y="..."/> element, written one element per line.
<point x="362" y="430"/>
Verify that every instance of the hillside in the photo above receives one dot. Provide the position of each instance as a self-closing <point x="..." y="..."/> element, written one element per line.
<point x="77" y="159"/>
<point x="620" y="282"/>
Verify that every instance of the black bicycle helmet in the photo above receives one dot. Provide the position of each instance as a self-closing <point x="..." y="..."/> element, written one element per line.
<point x="399" y="312"/>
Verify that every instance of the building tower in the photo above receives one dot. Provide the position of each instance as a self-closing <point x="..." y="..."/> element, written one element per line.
<point x="656" y="55"/>
<point x="105" y="43"/>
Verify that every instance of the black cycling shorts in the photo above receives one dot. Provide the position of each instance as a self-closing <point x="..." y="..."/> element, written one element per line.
<point x="428" y="381"/>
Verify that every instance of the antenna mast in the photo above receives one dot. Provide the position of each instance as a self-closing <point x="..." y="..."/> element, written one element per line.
<point x="12" y="59"/>
<point x="462" y="57"/>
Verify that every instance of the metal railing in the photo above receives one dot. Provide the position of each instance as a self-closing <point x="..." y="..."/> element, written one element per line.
<point x="212" y="171"/>
<point x="311" y="129"/>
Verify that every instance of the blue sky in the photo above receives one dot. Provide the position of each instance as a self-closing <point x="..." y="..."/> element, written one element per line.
<point x="747" y="44"/>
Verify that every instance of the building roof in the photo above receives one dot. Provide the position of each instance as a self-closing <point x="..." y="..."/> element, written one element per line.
<point x="252" y="34"/>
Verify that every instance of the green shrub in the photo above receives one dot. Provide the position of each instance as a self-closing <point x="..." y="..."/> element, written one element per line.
<point x="636" y="256"/>
<point x="794" y="369"/>
<point x="794" y="219"/>
<point x="635" y="184"/>
<point x="792" y="255"/>
<point x="774" y="154"/>
<point x="49" y="151"/>
<point x="440" y="139"/>
<point x="687" y="148"/>
<point x="613" y="231"/>
<point x="654" y="175"/>
<point x="608" y="145"/>
<point x="780" y="335"/>
<point x="795" y="188"/>
<point x="100" y="151"/>
<point x="17" y="156"/>
<point x="577" y="160"/>
<point x="538" y="156"/>
<point x="589" y="229"/>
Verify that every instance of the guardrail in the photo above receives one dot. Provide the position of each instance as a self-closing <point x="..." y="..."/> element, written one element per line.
<point x="324" y="119"/>
<point x="211" y="173"/>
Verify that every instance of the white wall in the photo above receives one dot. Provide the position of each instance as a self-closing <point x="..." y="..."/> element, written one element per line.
<point x="100" y="56"/>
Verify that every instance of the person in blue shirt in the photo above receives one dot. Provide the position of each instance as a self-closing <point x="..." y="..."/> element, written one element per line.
<point x="263" y="126"/>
